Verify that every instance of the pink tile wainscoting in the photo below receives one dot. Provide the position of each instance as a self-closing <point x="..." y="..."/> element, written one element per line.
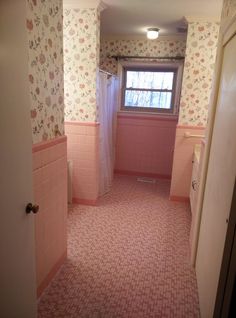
<point x="145" y="145"/>
<point x="50" y="193"/>
<point x="182" y="163"/>
<point x="83" y="151"/>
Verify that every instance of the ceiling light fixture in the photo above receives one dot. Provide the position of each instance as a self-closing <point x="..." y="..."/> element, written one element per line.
<point x="152" y="33"/>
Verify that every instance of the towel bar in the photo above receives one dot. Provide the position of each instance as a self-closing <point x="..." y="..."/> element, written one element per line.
<point x="188" y="135"/>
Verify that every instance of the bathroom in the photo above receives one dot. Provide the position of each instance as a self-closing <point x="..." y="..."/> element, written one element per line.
<point x="68" y="75"/>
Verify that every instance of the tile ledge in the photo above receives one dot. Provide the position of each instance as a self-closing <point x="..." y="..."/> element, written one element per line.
<point x="48" y="143"/>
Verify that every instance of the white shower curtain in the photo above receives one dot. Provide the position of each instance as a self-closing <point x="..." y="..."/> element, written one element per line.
<point x="108" y="88"/>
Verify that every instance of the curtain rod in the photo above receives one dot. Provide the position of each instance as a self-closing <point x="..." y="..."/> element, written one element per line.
<point x="107" y="73"/>
<point x="117" y="57"/>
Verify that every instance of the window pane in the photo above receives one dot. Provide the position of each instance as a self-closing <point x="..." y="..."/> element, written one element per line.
<point x="149" y="80"/>
<point x="148" y="99"/>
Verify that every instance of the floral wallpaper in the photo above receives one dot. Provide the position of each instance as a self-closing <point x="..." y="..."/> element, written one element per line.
<point x="198" y="72"/>
<point x="45" y="38"/>
<point x="138" y="47"/>
<point x="81" y="59"/>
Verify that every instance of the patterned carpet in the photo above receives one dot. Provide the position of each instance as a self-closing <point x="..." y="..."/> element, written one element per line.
<point x="127" y="258"/>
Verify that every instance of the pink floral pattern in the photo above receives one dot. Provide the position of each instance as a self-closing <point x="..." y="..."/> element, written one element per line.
<point x="44" y="24"/>
<point x="81" y="53"/>
<point x="138" y="47"/>
<point x="198" y="72"/>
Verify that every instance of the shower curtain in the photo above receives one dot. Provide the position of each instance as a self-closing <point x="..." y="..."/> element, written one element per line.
<point x="108" y="95"/>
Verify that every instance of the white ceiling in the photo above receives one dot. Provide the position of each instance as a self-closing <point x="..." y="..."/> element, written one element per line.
<point x="133" y="17"/>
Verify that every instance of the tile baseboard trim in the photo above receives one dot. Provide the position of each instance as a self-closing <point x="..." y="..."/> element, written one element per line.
<point x="51" y="274"/>
<point x="179" y="198"/>
<point x="85" y="201"/>
<point x="142" y="174"/>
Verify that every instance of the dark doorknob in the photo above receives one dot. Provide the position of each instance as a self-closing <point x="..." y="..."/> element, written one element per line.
<point x="31" y="208"/>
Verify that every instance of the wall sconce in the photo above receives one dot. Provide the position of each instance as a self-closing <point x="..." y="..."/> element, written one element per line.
<point x="152" y="33"/>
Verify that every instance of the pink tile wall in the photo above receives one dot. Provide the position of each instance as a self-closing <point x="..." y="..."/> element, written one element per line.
<point x="83" y="151"/>
<point x="50" y="193"/>
<point x="145" y="144"/>
<point x="182" y="163"/>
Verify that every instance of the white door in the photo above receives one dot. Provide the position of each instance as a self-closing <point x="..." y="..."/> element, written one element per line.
<point x="17" y="264"/>
<point x="219" y="184"/>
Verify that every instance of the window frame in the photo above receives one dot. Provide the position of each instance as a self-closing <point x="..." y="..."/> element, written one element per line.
<point x="176" y="67"/>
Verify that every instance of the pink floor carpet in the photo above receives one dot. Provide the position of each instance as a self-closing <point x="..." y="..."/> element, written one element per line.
<point x="127" y="258"/>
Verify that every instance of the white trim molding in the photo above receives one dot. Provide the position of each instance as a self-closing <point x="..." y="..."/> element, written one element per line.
<point x="178" y="65"/>
<point x="80" y="4"/>
<point x="173" y="37"/>
<point x="203" y="19"/>
<point x="102" y="6"/>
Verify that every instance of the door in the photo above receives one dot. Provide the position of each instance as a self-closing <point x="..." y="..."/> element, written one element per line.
<point x="17" y="264"/>
<point x="226" y="292"/>
<point x="219" y="184"/>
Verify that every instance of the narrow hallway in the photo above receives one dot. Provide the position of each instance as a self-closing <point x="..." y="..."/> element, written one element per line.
<point x="127" y="257"/>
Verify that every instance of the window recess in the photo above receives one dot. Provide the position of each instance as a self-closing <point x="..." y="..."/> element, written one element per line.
<point x="151" y="89"/>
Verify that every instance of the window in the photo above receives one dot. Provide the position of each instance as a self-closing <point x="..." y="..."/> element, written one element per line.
<point x="150" y="89"/>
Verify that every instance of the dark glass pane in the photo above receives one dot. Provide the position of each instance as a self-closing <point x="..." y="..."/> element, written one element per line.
<point x="148" y="99"/>
<point x="149" y="80"/>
